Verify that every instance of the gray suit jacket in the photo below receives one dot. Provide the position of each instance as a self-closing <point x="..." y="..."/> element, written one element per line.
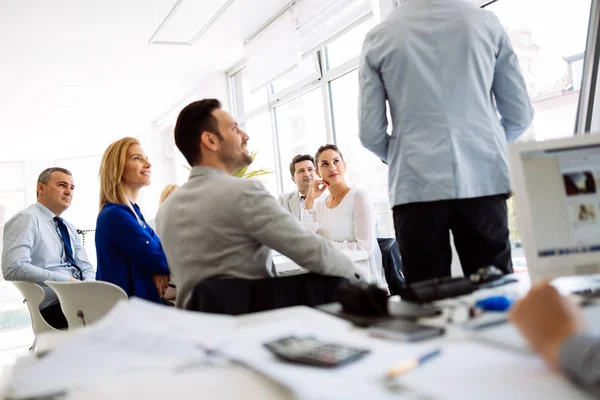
<point x="291" y="202"/>
<point x="218" y="226"/>
<point x="580" y="363"/>
<point x="437" y="64"/>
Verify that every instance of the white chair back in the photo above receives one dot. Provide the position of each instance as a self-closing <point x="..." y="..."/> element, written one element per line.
<point x="34" y="295"/>
<point x="83" y="303"/>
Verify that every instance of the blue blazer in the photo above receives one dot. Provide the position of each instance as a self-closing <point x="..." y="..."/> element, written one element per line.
<point x="128" y="253"/>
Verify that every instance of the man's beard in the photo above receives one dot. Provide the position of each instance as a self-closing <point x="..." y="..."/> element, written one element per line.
<point x="247" y="159"/>
<point x="235" y="161"/>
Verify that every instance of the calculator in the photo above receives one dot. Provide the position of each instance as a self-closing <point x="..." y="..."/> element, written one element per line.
<point x="311" y="351"/>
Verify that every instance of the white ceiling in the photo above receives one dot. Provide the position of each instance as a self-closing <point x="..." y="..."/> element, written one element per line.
<point x="77" y="74"/>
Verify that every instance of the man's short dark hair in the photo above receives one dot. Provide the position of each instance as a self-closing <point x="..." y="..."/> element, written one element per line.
<point x="194" y="119"/>
<point x="46" y="174"/>
<point x="299" y="158"/>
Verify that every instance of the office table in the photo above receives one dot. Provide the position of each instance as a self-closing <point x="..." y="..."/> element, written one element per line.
<point x="470" y="367"/>
<point x="286" y="267"/>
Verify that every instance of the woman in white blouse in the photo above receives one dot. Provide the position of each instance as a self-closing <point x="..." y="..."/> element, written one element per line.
<point x="346" y="217"/>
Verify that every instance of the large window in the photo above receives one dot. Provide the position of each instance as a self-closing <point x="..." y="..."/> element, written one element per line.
<point x="365" y="170"/>
<point x="348" y="46"/>
<point x="306" y="71"/>
<point x="246" y="100"/>
<point x="303" y="119"/>
<point x="301" y="130"/>
<point x="549" y="38"/>
<point x="261" y="141"/>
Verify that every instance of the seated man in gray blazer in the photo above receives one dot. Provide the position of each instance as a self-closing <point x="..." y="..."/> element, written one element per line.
<point x="219" y="226"/>
<point x="303" y="173"/>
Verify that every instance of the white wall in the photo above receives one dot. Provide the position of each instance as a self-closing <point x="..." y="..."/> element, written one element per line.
<point x="167" y="161"/>
<point x="20" y="177"/>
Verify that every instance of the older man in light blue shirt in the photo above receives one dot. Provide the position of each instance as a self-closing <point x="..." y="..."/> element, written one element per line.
<point x="40" y="246"/>
<point x="447" y="69"/>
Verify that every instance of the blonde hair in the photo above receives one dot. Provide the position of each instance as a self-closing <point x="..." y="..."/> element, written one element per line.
<point x="166" y="192"/>
<point x="111" y="172"/>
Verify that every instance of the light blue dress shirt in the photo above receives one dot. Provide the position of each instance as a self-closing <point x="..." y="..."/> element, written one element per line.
<point x="447" y="69"/>
<point x="33" y="251"/>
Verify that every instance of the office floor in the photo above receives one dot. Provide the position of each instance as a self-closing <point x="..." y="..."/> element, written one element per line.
<point x="14" y="344"/>
<point x="16" y="335"/>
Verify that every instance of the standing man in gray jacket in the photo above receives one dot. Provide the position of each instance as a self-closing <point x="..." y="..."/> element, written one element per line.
<point x="302" y="169"/>
<point x="447" y="69"/>
<point x="219" y="226"/>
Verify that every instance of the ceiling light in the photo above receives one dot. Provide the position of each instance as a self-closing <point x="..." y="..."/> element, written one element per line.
<point x="187" y="21"/>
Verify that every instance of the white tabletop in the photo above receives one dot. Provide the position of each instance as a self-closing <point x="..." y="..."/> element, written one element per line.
<point x="284" y="266"/>
<point x="471" y="365"/>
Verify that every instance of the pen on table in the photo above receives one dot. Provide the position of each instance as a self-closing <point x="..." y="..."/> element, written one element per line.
<point x="412" y="363"/>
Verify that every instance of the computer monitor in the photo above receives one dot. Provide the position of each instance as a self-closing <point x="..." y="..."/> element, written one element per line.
<point x="556" y="185"/>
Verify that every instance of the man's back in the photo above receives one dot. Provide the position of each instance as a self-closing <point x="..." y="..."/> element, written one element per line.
<point x="218" y="226"/>
<point x="449" y="45"/>
<point x="439" y="62"/>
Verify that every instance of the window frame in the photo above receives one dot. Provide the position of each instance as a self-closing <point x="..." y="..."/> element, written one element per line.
<point x="587" y="106"/>
<point x="584" y="111"/>
<point x="291" y="97"/>
<point x="278" y="99"/>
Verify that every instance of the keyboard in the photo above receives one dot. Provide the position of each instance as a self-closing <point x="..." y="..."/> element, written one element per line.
<point x="589" y="294"/>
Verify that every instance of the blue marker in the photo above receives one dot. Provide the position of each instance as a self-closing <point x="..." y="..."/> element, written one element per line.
<point x="495" y="303"/>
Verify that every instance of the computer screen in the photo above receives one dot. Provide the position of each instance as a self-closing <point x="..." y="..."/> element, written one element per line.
<point x="563" y="191"/>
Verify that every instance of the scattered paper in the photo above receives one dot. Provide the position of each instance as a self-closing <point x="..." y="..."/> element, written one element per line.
<point x="362" y="379"/>
<point x="473" y="371"/>
<point x="136" y="338"/>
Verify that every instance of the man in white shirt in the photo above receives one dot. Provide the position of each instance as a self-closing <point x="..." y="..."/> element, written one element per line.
<point x="302" y="169"/>
<point x="40" y="246"/>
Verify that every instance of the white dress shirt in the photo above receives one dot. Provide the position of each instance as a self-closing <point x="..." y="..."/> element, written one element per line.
<point x="350" y="227"/>
<point x="300" y="203"/>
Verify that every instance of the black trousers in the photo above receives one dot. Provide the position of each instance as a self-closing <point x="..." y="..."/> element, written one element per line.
<point x="55" y="317"/>
<point x="479" y="226"/>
